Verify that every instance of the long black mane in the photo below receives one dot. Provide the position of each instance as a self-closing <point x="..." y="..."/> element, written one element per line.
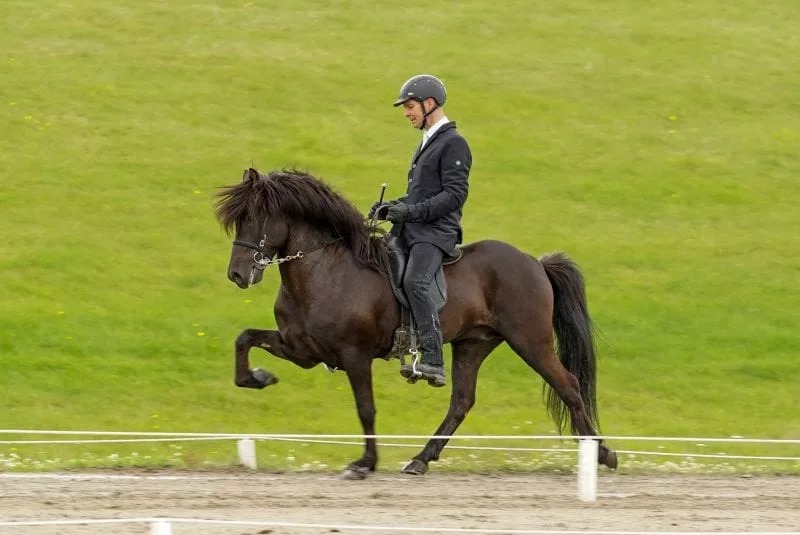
<point x="301" y="197"/>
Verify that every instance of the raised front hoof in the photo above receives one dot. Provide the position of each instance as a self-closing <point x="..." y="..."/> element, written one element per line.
<point x="258" y="378"/>
<point x="607" y="457"/>
<point x="415" y="467"/>
<point x="355" y="473"/>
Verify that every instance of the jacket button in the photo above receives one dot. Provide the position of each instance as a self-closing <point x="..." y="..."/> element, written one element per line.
<point x="413" y="166"/>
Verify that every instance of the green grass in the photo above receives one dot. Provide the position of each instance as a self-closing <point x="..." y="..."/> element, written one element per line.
<point x="656" y="145"/>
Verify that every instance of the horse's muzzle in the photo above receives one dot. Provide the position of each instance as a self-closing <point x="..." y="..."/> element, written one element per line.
<point x="245" y="279"/>
<point x="238" y="279"/>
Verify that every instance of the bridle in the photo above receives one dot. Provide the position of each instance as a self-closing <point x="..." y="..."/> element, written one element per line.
<point x="261" y="256"/>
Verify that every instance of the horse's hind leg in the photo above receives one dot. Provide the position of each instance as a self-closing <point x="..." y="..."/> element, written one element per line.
<point x="468" y="356"/>
<point x="541" y="357"/>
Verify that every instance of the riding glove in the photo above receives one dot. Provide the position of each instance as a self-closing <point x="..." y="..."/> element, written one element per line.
<point x="378" y="209"/>
<point x="373" y="209"/>
<point x="397" y="213"/>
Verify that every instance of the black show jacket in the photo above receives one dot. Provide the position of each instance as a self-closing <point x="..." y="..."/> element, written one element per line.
<point x="437" y="190"/>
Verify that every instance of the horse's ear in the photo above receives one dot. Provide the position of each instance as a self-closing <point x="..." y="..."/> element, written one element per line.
<point x="250" y="174"/>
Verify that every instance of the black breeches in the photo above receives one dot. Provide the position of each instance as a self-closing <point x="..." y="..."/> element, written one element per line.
<point x="424" y="260"/>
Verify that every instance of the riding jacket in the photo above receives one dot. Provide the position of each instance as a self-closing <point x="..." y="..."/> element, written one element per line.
<point x="437" y="189"/>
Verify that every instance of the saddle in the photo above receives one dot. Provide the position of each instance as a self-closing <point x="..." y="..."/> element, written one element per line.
<point x="405" y="339"/>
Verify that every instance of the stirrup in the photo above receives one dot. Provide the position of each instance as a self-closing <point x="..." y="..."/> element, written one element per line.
<point x="413" y="351"/>
<point x="414" y="375"/>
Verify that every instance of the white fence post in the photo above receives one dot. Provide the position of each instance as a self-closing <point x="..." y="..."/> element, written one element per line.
<point x="587" y="470"/>
<point x="247" y="452"/>
<point x="161" y="527"/>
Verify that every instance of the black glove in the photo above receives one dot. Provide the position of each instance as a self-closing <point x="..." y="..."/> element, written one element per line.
<point x="397" y="213"/>
<point x="378" y="209"/>
<point x="373" y="209"/>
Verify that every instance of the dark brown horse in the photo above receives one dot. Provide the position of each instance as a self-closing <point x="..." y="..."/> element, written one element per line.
<point x="335" y="306"/>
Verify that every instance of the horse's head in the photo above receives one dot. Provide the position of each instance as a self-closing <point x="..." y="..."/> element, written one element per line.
<point x="290" y="210"/>
<point x="258" y="234"/>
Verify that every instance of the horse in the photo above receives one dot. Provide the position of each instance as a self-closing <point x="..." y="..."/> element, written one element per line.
<point x="336" y="306"/>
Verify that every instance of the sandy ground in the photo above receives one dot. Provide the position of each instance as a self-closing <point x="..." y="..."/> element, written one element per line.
<point x="426" y="504"/>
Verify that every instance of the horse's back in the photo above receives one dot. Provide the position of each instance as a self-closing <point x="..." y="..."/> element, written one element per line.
<point x="499" y="258"/>
<point x="493" y="282"/>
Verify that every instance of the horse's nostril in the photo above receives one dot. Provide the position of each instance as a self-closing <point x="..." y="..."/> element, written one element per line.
<point x="235" y="277"/>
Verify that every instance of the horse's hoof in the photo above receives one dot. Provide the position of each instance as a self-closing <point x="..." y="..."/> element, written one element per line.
<point x="355" y="473"/>
<point x="415" y="467"/>
<point x="258" y="378"/>
<point x="610" y="459"/>
<point x="263" y="377"/>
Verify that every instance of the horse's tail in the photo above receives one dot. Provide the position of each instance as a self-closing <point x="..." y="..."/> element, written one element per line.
<point x="575" y="334"/>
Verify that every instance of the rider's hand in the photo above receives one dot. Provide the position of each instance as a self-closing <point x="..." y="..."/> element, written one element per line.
<point x="379" y="209"/>
<point x="373" y="209"/>
<point x="399" y="212"/>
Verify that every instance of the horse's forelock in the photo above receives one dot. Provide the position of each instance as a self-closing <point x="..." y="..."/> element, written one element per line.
<point x="235" y="203"/>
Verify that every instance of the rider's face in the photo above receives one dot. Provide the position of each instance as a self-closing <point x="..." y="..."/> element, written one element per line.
<point x="412" y="110"/>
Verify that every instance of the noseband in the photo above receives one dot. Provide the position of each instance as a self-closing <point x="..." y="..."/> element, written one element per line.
<point x="260" y="257"/>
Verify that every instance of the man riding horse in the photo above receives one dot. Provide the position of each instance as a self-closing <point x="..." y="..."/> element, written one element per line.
<point x="427" y="220"/>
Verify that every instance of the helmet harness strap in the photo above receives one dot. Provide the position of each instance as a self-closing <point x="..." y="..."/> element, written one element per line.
<point x="426" y="113"/>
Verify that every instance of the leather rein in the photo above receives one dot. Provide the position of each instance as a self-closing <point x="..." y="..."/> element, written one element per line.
<point x="261" y="256"/>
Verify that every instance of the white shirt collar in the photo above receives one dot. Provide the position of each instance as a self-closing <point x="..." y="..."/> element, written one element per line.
<point x="427" y="134"/>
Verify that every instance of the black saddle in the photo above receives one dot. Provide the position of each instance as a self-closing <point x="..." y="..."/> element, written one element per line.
<point x="397" y="263"/>
<point x="405" y="338"/>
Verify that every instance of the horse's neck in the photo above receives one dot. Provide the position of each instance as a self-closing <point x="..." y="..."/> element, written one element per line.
<point x="302" y="238"/>
<point x="306" y="274"/>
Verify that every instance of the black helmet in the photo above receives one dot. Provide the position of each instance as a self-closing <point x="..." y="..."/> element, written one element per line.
<point x="421" y="87"/>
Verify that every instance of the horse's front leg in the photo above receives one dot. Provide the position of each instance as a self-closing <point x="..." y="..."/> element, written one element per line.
<point x="360" y="377"/>
<point x="270" y="341"/>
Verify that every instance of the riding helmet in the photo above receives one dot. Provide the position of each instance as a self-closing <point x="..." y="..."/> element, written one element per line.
<point x="420" y="87"/>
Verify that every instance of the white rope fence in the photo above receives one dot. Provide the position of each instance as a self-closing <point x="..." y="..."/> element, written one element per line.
<point x="245" y="445"/>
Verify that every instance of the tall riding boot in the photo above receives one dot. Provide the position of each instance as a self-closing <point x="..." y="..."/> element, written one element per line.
<point x="431" y="365"/>
<point x="424" y="260"/>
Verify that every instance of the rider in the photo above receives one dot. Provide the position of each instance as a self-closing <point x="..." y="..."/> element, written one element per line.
<point x="427" y="220"/>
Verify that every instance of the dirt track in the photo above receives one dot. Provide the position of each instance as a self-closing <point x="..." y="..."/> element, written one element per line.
<point x="674" y="503"/>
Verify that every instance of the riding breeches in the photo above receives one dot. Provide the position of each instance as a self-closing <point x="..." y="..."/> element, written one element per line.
<point x="424" y="260"/>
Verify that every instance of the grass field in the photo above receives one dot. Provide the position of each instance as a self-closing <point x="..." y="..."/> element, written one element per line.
<point x="656" y="144"/>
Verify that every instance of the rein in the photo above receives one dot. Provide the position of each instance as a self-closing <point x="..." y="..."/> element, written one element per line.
<point x="261" y="258"/>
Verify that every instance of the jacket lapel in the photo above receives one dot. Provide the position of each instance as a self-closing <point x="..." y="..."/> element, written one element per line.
<point x="422" y="149"/>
